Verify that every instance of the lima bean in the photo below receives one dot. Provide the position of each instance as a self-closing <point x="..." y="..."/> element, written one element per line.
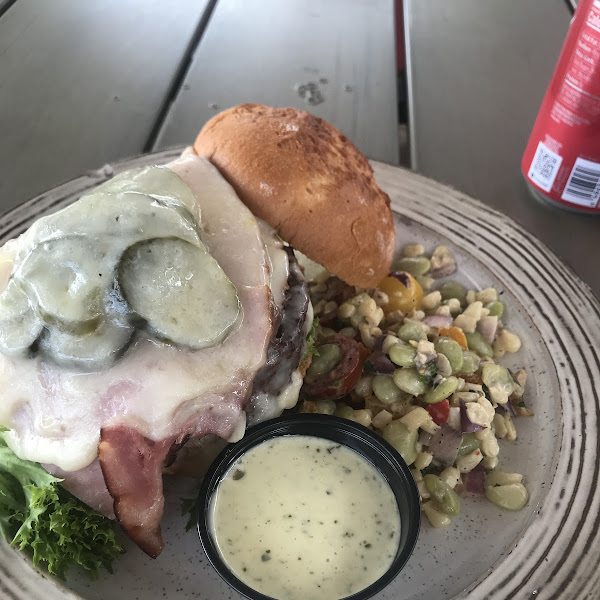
<point x="403" y="355"/>
<point x="493" y="374"/>
<point x="513" y="496"/>
<point x="325" y="332"/>
<point x="443" y="390"/>
<point x="409" y="381"/>
<point x="453" y="289"/>
<point x="476" y="342"/>
<point x="411" y="331"/>
<point x="416" y="266"/>
<point x="404" y="441"/>
<point x="425" y="282"/>
<point x="496" y="308"/>
<point x="469" y="444"/>
<point x="385" y="390"/>
<point x="443" y="496"/>
<point x="452" y="351"/>
<point x="329" y="356"/>
<point x="499" y="382"/>
<point x="470" y="362"/>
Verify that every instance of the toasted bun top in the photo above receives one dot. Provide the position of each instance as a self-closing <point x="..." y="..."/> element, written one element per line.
<point x="312" y="185"/>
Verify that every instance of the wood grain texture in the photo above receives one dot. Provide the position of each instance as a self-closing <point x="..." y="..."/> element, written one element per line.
<point x="477" y="74"/>
<point x="81" y="84"/>
<point x="262" y="50"/>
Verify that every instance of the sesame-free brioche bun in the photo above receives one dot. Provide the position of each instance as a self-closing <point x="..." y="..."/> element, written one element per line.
<point x="303" y="177"/>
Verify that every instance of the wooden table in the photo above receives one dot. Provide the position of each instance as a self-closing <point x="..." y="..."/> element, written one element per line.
<point x="477" y="71"/>
<point x="87" y="83"/>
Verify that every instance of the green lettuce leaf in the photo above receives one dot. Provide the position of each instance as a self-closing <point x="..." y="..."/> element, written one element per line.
<point x="41" y="517"/>
<point x="311" y="348"/>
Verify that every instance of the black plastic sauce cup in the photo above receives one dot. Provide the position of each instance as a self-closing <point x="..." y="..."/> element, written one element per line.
<point x="360" y="439"/>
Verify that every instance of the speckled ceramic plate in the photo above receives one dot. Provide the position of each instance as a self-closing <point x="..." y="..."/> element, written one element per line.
<point x="550" y="549"/>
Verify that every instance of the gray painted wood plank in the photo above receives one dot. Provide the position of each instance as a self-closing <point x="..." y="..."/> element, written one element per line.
<point x="81" y="84"/>
<point x="477" y="71"/>
<point x="262" y="50"/>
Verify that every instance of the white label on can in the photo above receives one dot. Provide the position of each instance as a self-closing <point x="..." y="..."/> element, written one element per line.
<point x="544" y="167"/>
<point x="583" y="186"/>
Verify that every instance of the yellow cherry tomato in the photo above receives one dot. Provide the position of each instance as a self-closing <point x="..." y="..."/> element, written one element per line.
<point x="403" y="291"/>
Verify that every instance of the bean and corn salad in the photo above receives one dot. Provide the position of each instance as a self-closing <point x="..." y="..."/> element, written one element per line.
<point x="415" y="360"/>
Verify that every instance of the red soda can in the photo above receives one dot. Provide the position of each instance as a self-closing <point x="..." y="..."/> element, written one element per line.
<point x="562" y="159"/>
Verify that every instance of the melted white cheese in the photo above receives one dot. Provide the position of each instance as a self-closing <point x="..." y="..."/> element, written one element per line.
<point x="300" y="518"/>
<point x="55" y="415"/>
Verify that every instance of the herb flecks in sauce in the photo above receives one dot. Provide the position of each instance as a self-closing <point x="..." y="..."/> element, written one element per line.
<point x="330" y="540"/>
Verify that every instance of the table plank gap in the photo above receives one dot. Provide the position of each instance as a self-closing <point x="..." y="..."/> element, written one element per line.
<point x="82" y="84"/>
<point x="5" y="5"/>
<point x="336" y="59"/>
<point x="180" y="75"/>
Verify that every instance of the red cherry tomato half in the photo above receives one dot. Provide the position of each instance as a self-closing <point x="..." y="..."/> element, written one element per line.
<point x="439" y="411"/>
<point x="345" y="375"/>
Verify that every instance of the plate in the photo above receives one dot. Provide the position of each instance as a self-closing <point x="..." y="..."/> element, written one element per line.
<point x="550" y="549"/>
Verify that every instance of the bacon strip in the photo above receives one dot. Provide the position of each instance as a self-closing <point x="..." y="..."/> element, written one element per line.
<point x="131" y="465"/>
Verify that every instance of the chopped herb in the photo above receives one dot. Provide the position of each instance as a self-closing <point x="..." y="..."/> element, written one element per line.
<point x="514" y="377"/>
<point x="429" y="371"/>
<point x="368" y="367"/>
<point x="431" y="468"/>
<point x="486" y="391"/>
<point x="238" y="474"/>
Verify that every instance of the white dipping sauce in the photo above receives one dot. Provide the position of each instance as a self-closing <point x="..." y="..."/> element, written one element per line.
<point x="301" y="517"/>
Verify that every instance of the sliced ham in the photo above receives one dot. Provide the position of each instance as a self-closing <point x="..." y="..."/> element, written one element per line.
<point x="132" y="465"/>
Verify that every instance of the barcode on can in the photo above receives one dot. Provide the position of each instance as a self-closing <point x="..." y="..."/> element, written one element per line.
<point x="583" y="185"/>
<point x="544" y="167"/>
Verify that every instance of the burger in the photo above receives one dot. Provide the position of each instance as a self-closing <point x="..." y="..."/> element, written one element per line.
<point x="166" y="310"/>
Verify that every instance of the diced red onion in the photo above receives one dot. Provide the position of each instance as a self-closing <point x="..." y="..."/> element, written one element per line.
<point x="381" y="363"/>
<point x="444" y="445"/>
<point x="438" y="321"/>
<point x="474" y="481"/>
<point x="487" y="327"/>
<point x="379" y="343"/>
<point x="466" y="425"/>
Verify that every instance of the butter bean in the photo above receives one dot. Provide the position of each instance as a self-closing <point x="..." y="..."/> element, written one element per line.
<point x="403" y="355"/>
<point x="442" y="495"/>
<point x="443" y="390"/>
<point x="513" y="496"/>
<point x="409" y="381"/>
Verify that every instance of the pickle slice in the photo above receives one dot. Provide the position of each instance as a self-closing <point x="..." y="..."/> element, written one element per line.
<point x="180" y="290"/>
<point x="69" y="278"/>
<point x="20" y="325"/>
<point x="157" y="182"/>
<point x="94" y="351"/>
<point x="128" y="218"/>
<point x="128" y="209"/>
